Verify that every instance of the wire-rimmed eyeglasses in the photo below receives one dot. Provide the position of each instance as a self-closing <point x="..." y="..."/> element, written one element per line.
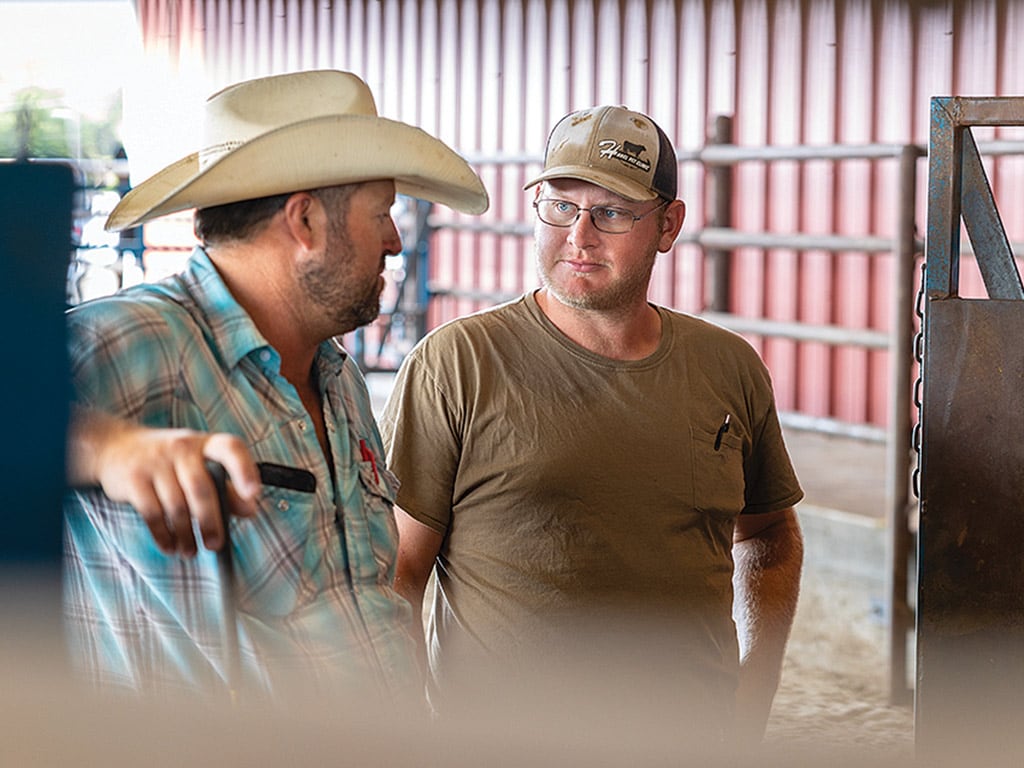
<point x="607" y="218"/>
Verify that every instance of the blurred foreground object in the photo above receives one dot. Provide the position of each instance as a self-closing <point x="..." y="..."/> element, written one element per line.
<point x="35" y="244"/>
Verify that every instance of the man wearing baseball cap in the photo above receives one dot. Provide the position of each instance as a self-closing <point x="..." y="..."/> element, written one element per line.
<point x="236" y="359"/>
<point x="598" y="484"/>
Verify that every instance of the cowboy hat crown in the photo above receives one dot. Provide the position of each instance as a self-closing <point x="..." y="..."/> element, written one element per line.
<point x="304" y="130"/>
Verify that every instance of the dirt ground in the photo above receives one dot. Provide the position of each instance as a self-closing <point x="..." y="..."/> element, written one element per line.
<point x="834" y="691"/>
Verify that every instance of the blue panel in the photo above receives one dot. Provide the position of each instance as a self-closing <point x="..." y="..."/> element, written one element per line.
<point x="35" y="245"/>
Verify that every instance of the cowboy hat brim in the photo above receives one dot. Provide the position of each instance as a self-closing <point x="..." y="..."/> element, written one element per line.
<point x="319" y="152"/>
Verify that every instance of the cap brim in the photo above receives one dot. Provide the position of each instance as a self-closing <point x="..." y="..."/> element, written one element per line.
<point x="613" y="183"/>
<point x="321" y="152"/>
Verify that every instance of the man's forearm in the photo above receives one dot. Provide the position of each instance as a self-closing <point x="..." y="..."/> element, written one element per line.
<point x="767" y="585"/>
<point x="88" y="431"/>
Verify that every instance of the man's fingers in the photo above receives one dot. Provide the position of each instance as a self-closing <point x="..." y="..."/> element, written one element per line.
<point x="231" y="453"/>
<point x="202" y="498"/>
<point x="163" y="474"/>
<point x="175" y="511"/>
<point x="150" y="509"/>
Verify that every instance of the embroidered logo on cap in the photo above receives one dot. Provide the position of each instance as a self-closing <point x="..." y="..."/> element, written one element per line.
<point x="626" y="152"/>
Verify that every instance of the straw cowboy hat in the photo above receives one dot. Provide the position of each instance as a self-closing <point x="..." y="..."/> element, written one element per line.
<point x="305" y="130"/>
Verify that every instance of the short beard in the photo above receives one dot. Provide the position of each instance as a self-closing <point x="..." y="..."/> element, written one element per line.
<point x="346" y="309"/>
<point x="622" y="294"/>
<point x="347" y="312"/>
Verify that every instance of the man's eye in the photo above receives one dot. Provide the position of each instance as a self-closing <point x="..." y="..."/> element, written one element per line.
<point x="561" y="206"/>
<point x="611" y="214"/>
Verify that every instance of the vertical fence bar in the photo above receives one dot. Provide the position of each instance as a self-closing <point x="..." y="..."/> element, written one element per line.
<point x="942" y="249"/>
<point x="898" y="444"/>
<point x="720" y="260"/>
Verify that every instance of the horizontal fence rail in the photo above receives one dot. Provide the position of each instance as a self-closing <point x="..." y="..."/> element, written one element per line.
<point x="727" y="238"/>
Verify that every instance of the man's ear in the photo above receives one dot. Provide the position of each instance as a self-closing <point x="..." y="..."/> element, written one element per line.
<point x="671" y="224"/>
<point x="300" y="218"/>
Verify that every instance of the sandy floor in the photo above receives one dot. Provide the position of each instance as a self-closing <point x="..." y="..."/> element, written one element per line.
<point x="834" y="690"/>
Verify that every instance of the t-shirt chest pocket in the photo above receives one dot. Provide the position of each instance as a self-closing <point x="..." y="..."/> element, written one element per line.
<point x="718" y="478"/>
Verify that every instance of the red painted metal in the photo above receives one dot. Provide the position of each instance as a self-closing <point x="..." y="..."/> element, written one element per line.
<point x="490" y="78"/>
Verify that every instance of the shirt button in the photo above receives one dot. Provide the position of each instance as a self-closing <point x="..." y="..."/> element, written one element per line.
<point x="283" y="505"/>
<point x="302" y="425"/>
<point x="265" y="355"/>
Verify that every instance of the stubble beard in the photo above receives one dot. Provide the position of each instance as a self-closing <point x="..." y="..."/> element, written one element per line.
<point x="348" y="304"/>
<point x="631" y="287"/>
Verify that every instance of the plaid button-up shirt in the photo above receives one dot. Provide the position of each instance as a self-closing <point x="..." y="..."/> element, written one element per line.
<point x="313" y="571"/>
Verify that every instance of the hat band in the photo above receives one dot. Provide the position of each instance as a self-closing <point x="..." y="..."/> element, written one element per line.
<point x="211" y="155"/>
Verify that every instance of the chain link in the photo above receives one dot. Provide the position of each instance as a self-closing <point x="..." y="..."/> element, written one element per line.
<point x="919" y="382"/>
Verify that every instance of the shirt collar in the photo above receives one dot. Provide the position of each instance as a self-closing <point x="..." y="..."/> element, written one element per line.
<point x="234" y="334"/>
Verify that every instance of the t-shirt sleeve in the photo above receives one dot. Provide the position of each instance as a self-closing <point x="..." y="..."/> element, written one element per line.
<point x="771" y="481"/>
<point x="419" y="426"/>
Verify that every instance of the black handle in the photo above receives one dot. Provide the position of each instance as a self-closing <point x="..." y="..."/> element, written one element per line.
<point x="226" y="574"/>
<point x="287" y="477"/>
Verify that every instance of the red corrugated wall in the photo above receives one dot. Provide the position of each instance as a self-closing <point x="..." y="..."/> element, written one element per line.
<point x="490" y="78"/>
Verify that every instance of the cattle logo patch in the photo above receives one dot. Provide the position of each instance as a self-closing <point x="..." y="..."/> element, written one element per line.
<point x="625" y="152"/>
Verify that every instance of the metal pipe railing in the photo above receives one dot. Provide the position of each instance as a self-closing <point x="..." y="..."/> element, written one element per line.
<point x="899" y="440"/>
<point x="727" y="154"/>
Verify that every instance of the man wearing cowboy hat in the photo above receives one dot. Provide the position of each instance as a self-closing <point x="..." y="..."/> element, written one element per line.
<point x="293" y="190"/>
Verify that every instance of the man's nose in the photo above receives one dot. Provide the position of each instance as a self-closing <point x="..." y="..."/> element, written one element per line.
<point x="393" y="240"/>
<point x="582" y="232"/>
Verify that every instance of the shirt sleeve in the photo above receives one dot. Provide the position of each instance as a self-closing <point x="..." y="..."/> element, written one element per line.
<point x="771" y="481"/>
<point x="420" y="426"/>
<point x="122" y="358"/>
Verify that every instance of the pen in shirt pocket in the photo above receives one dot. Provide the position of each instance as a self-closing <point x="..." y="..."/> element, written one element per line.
<point x="367" y="455"/>
<point x="721" y="431"/>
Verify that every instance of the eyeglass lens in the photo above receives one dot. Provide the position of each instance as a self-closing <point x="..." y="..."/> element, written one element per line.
<point x="562" y="213"/>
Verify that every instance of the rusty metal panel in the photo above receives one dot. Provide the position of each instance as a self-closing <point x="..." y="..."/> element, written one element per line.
<point x="970" y="658"/>
<point x="970" y="603"/>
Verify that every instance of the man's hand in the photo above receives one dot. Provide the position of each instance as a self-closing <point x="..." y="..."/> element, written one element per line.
<point x="162" y="474"/>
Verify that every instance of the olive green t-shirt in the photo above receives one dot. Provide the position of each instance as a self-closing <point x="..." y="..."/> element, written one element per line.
<point x="587" y="504"/>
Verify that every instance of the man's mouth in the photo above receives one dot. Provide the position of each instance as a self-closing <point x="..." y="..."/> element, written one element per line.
<point x="581" y="266"/>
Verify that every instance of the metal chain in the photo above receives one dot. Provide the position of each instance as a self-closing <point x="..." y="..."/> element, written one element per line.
<point x="918" y="383"/>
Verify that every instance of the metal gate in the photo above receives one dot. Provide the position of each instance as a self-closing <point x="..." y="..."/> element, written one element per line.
<point x="970" y="612"/>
